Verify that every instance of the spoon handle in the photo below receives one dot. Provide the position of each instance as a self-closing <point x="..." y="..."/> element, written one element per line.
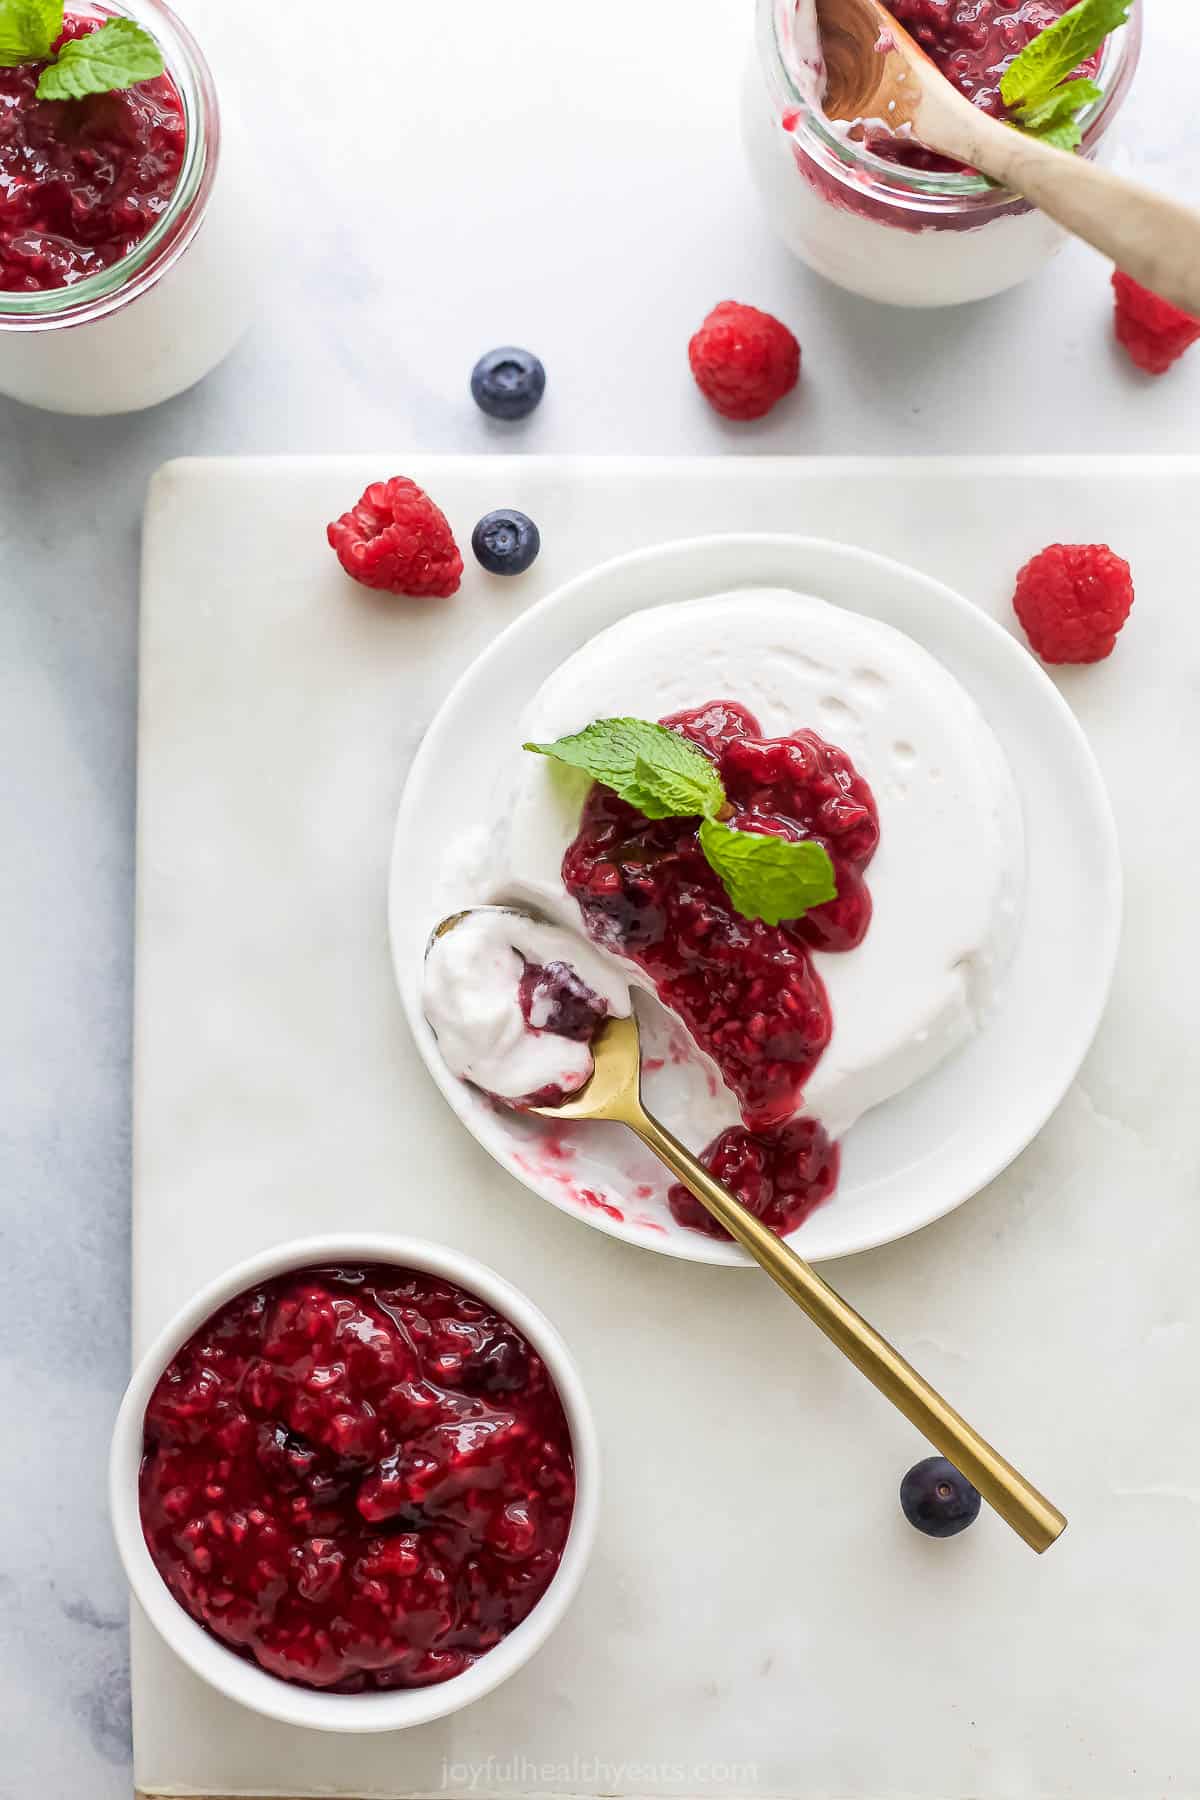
<point x="1021" y="1505"/>
<point x="1148" y="235"/>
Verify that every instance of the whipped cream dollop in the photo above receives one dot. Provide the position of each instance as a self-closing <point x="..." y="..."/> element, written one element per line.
<point x="471" y="997"/>
<point x="947" y="878"/>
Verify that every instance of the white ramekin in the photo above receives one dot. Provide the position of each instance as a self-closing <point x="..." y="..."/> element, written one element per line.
<point x="244" y="1681"/>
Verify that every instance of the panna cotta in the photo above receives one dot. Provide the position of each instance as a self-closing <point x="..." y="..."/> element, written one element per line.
<point x="946" y="878"/>
<point x="125" y="232"/>
<point x="878" y="214"/>
<point x="763" y="1043"/>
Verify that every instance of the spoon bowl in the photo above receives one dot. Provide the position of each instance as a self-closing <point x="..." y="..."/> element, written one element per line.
<point x="614" y="1091"/>
<point x="873" y="68"/>
<point x="452" y="919"/>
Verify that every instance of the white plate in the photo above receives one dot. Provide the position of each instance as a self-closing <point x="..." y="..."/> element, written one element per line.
<point x="925" y="1152"/>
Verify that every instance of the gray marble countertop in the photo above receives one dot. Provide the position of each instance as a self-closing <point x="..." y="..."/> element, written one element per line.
<point x="435" y="227"/>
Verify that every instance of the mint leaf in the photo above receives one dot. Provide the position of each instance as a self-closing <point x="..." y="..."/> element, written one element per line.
<point x="1058" y="51"/>
<point x="1061" y="107"/>
<point x="663" y="792"/>
<point x="1055" y="120"/>
<point x="119" y="55"/>
<point x="1061" y="137"/>
<point x="650" y="766"/>
<point x="768" y="878"/>
<point x="28" y="29"/>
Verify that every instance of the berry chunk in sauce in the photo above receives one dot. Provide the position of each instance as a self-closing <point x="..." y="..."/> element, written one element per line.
<point x="360" y="1478"/>
<point x="555" y="999"/>
<point x="781" y="1175"/>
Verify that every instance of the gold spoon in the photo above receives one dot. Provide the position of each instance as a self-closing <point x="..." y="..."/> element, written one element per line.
<point x="614" y="1093"/>
<point x="876" y="71"/>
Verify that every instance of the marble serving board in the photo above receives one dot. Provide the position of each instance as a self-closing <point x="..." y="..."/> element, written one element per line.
<point x="757" y="1620"/>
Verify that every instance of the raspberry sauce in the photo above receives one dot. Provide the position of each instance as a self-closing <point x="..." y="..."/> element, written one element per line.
<point x="81" y="181"/>
<point x="781" y="1175"/>
<point x="360" y="1478"/>
<point x="747" y="992"/>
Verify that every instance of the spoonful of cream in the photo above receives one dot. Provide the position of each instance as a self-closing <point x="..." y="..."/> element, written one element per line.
<point x="877" y="75"/>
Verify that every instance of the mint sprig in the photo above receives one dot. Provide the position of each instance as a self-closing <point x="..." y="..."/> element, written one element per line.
<point x="28" y="29"/>
<point x="650" y="766"/>
<point x="1043" y="94"/>
<point x="665" y="776"/>
<point x="767" y="877"/>
<point x="119" y="55"/>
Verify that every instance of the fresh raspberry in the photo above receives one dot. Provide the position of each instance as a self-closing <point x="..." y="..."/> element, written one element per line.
<point x="396" y="539"/>
<point x="1072" y="600"/>
<point x="1154" y="332"/>
<point x="744" y="361"/>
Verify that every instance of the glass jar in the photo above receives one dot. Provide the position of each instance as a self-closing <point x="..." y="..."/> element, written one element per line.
<point x="164" y="315"/>
<point x="907" y="237"/>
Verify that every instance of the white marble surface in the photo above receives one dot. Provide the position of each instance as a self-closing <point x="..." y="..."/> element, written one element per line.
<point x="764" y="1595"/>
<point x="523" y="170"/>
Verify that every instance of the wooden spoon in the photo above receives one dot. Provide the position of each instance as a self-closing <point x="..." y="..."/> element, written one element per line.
<point x="876" y="71"/>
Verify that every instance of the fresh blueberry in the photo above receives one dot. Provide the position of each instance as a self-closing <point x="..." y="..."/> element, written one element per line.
<point x="937" y="1499"/>
<point x="506" y="542"/>
<point x="508" y="383"/>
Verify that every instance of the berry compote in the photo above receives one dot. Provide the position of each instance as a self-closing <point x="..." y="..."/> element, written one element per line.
<point x="358" y="1477"/>
<point x="747" y="991"/>
<point x="555" y="999"/>
<point x="781" y="1175"/>
<point x="82" y="182"/>
<point x="972" y="42"/>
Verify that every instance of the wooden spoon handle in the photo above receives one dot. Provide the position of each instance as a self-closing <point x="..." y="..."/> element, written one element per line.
<point x="1151" y="237"/>
<point x="1017" y="1501"/>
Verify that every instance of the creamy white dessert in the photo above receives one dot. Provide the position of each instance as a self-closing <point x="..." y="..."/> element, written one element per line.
<point x="906" y="237"/>
<point x="159" y="320"/>
<point x="973" y="253"/>
<point x="946" y="880"/>
<point x="471" y="997"/>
